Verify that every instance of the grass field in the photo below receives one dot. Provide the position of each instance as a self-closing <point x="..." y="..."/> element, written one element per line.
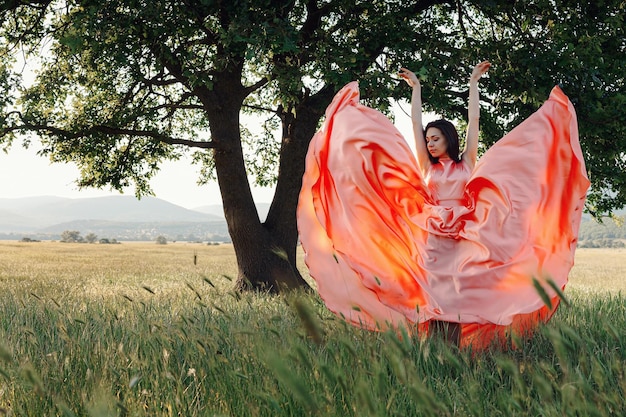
<point x="138" y="329"/>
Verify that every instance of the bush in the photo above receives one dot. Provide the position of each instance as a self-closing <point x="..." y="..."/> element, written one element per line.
<point x="91" y="238"/>
<point x="71" y="236"/>
<point x="106" y="241"/>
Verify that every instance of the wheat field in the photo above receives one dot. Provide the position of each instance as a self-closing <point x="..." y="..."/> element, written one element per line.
<point x="599" y="270"/>
<point x="102" y="270"/>
<point x="140" y="329"/>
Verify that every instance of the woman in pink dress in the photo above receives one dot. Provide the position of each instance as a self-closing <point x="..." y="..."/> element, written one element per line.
<point x="476" y="250"/>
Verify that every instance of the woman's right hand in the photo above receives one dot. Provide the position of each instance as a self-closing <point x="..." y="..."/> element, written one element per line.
<point x="409" y="77"/>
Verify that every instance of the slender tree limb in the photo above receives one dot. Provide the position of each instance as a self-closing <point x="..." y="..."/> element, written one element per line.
<point x="260" y="108"/>
<point x="259" y="84"/>
<point x="64" y="134"/>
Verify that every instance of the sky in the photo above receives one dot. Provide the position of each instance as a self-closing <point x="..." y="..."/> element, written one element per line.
<point x="25" y="174"/>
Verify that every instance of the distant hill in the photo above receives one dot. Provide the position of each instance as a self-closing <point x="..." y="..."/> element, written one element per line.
<point x="114" y="217"/>
<point x="10" y="220"/>
<point x="212" y="209"/>
<point x="46" y="214"/>
<point x="50" y="210"/>
<point x="218" y="210"/>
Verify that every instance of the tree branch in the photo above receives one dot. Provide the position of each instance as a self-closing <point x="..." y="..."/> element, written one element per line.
<point x="211" y="37"/>
<point x="262" y="82"/>
<point x="108" y="130"/>
<point x="159" y="81"/>
<point x="22" y="35"/>
<point x="263" y="109"/>
<point x="313" y="19"/>
<point x="460" y="12"/>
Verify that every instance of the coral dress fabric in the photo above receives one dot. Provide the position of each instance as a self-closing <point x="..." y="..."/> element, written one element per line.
<point x="389" y="248"/>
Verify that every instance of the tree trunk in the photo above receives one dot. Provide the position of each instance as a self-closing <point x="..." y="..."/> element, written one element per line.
<point x="281" y="224"/>
<point x="266" y="253"/>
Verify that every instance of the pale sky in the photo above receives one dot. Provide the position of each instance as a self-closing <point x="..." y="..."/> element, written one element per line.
<point x="25" y="174"/>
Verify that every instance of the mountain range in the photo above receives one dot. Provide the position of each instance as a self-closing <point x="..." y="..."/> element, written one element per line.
<point x="118" y="217"/>
<point x="127" y="218"/>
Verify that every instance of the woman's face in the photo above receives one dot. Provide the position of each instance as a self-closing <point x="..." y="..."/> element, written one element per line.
<point x="436" y="143"/>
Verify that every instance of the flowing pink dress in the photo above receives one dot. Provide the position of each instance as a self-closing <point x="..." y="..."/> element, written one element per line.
<point x="389" y="248"/>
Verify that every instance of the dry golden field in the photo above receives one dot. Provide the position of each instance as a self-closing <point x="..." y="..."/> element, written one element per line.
<point x="130" y="269"/>
<point x="97" y="270"/>
<point x="599" y="270"/>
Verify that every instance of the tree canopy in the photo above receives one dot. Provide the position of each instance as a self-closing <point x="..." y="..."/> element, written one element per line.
<point x="125" y="85"/>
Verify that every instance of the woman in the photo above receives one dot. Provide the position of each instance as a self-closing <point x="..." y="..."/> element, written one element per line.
<point x="440" y="141"/>
<point x="480" y="248"/>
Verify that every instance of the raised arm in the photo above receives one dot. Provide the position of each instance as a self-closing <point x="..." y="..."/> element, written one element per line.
<point x="423" y="159"/>
<point x="470" y="152"/>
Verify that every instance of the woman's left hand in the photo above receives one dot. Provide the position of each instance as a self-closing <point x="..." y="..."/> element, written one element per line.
<point x="480" y="70"/>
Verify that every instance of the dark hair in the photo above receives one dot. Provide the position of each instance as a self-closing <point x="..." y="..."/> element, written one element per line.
<point x="451" y="135"/>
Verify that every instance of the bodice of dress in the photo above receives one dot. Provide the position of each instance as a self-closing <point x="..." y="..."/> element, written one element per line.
<point x="446" y="181"/>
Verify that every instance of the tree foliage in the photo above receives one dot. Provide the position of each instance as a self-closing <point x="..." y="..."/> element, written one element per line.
<point x="580" y="46"/>
<point x="125" y="85"/>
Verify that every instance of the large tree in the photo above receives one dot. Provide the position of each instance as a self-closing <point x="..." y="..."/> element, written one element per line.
<point x="125" y="85"/>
